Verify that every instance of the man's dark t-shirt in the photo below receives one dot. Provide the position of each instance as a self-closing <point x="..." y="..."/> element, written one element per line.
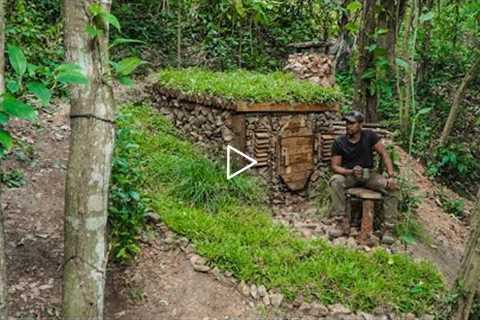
<point x="353" y="154"/>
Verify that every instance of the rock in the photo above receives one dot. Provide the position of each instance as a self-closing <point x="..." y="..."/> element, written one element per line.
<point x="305" y="308"/>
<point x="262" y="291"/>
<point x="201" y="268"/>
<point x="276" y="299"/>
<point x="253" y="291"/>
<point x="428" y="317"/>
<point x="244" y="289"/>
<point x="339" y="309"/>
<point x="340" y="241"/>
<point x="373" y="241"/>
<point x="335" y="233"/>
<point x="388" y="240"/>
<point x="410" y="316"/>
<point x="318" y="310"/>
<point x="266" y="300"/>
<point x="365" y="316"/>
<point x="351" y="243"/>
<point x="198" y="263"/>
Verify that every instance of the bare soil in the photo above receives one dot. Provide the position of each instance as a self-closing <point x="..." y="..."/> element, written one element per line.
<point x="161" y="284"/>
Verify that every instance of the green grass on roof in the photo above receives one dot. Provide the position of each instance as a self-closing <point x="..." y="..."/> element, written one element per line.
<point x="247" y="86"/>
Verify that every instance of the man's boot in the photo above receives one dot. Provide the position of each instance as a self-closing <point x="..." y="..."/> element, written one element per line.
<point x="388" y="237"/>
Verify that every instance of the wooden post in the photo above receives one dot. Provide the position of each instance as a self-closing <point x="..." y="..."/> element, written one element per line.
<point x="367" y="221"/>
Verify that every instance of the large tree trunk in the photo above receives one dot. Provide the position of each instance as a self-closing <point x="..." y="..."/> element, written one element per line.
<point x="89" y="167"/>
<point x="364" y="98"/>
<point x="470" y="270"/>
<point x="452" y="116"/>
<point x="387" y="19"/>
<point x="3" y="259"/>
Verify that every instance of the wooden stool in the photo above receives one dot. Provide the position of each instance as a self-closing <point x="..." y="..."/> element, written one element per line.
<point x="368" y="198"/>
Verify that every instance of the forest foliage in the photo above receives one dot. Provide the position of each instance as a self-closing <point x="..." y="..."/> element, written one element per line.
<point x="258" y="34"/>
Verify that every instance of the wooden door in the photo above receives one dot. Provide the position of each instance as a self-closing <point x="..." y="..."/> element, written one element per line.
<point x="296" y="147"/>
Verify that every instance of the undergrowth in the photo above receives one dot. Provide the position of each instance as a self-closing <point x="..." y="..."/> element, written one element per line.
<point x="247" y="86"/>
<point x="227" y="224"/>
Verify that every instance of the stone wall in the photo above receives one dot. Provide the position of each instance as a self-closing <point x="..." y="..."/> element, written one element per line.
<point x="212" y="128"/>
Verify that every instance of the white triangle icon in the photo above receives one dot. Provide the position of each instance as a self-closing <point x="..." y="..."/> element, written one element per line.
<point x="252" y="162"/>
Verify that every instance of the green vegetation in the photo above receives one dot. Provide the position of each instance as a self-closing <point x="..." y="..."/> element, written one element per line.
<point x="235" y="233"/>
<point x="247" y="86"/>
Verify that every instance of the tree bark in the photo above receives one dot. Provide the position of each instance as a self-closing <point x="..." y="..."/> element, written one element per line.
<point x="3" y="256"/>
<point x="344" y="43"/>
<point x="89" y="166"/>
<point x="364" y="98"/>
<point x="452" y="116"/>
<point x="470" y="270"/>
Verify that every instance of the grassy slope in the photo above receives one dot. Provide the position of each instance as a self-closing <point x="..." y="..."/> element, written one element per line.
<point x="247" y="86"/>
<point x="228" y="226"/>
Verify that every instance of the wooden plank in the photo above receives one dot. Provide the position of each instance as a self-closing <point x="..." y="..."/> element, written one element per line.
<point x="364" y="193"/>
<point x="286" y="107"/>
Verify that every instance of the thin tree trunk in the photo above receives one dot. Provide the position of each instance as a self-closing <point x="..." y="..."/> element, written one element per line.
<point x="179" y="35"/>
<point x="452" y="116"/>
<point x="3" y="256"/>
<point x="470" y="270"/>
<point x="89" y="167"/>
<point x="364" y="99"/>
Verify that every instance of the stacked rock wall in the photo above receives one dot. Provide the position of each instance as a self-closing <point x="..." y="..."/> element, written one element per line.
<point x="213" y="128"/>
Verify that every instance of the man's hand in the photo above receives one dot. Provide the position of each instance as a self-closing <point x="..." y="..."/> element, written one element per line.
<point x="358" y="171"/>
<point x="391" y="184"/>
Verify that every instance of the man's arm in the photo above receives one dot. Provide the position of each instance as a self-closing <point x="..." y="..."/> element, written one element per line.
<point x="379" y="147"/>
<point x="336" y="164"/>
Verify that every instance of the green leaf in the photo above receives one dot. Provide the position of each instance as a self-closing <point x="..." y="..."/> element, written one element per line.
<point x="128" y="65"/>
<point x="92" y="31"/>
<point x="239" y="8"/>
<point x="72" y="77"/>
<point x="126" y="81"/>
<point x="112" y="20"/>
<point x="67" y="67"/>
<point x="4" y="117"/>
<point x="96" y="9"/>
<point x="408" y="238"/>
<point x="120" y="41"/>
<point x="19" y="109"/>
<point x="17" y="60"/>
<point x="31" y="69"/>
<point x="5" y="139"/>
<point x="13" y="86"/>
<point x="426" y="16"/>
<point x="423" y="111"/>
<point x="40" y="91"/>
<point x="354" y="6"/>
<point x="402" y="63"/>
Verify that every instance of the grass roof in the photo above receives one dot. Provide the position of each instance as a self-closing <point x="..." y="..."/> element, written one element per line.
<point x="242" y="85"/>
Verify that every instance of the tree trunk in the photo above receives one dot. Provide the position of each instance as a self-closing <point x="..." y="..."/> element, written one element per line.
<point x="89" y="166"/>
<point x="344" y="43"/>
<point x="364" y="98"/>
<point x="3" y="256"/>
<point x="452" y="116"/>
<point x="387" y="20"/>
<point x="470" y="270"/>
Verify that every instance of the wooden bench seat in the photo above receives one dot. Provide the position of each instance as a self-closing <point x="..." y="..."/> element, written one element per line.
<point x="368" y="198"/>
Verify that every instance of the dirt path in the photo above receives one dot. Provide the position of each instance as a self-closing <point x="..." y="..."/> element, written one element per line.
<point x="162" y="283"/>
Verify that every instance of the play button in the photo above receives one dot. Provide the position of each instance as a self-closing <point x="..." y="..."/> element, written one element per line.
<point x="250" y="159"/>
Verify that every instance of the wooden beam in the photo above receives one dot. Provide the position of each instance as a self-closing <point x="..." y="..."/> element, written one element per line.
<point x="287" y="107"/>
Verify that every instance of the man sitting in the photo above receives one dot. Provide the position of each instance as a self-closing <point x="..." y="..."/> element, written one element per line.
<point x="352" y="162"/>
